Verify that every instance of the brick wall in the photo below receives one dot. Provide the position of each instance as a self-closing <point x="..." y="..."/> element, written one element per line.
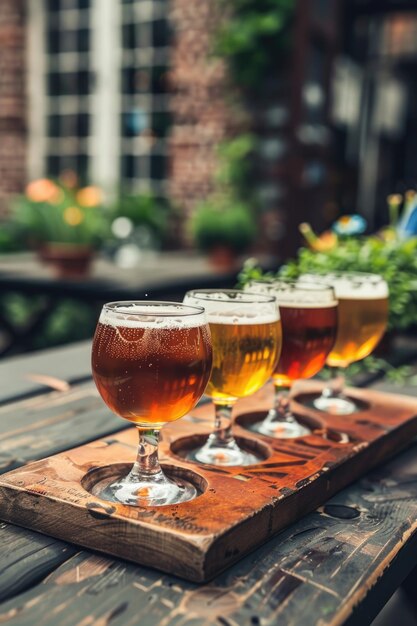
<point x="12" y="100"/>
<point x="200" y="115"/>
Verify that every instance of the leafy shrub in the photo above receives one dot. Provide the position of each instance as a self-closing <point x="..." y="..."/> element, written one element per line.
<point x="394" y="260"/>
<point x="144" y="209"/>
<point x="223" y="222"/>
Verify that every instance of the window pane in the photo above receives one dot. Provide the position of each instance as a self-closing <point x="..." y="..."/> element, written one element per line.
<point x="128" y="80"/>
<point x="53" y="84"/>
<point x="160" y="123"/>
<point x="53" y="165"/>
<point x="68" y="41"/>
<point x="159" y="80"/>
<point x="136" y="80"/>
<point x="128" y="166"/>
<point x="83" y="125"/>
<point x="160" y="33"/>
<point x="128" y="36"/>
<point x="144" y="91"/>
<point x="68" y="79"/>
<point x="142" y="164"/>
<point x="157" y="167"/>
<point x="83" y="44"/>
<point x="54" y="126"/>
<point x="82" y="167"/>
<point x="68" y="84"/>
<point x="75" y="4"/>
<point x="53" y="5"/>
<point x="53" y="41"/>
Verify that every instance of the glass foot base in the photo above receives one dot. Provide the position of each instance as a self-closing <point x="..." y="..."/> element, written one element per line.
<point x="155" y="491"/>
<point x="337" y="405"/>
<point x="213" y="453"/>
<point x="281" y="429"/>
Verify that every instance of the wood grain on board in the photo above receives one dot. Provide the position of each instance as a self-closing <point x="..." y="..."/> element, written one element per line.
<point x="239" y="509"/>
<point x="318" y="571"/>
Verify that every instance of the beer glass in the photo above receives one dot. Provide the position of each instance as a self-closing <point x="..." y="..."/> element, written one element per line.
<point x="362" y="320"/>
<point x="309" y="322"/>
<point x="151" y="362"/>
<point x="246" y="337"/>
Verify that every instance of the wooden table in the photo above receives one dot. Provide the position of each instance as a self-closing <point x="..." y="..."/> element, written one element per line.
<point x="166" y="276"/>
<point x="338" y="565"/>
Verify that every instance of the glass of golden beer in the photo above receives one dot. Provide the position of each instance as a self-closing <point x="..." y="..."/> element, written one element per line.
<point x="362" y="321"/>
<point x="151" y="362"/>
<point x="246" y="338"/>
<point x="309" y="323"/>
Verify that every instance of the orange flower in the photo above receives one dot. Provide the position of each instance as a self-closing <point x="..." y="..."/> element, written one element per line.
<point x="43" y="190"/>
<point x="327" y="240"/>
<point x="344" y="219"/>
<point x="89" y="196"/>
<point x="73" y="215"/>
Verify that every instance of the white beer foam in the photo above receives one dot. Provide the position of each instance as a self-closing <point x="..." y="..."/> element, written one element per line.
<point x="303" y="298"/>
<point x="151" y="317"/>
<point x="350" y="286"/>
<point x="222" y="310"/>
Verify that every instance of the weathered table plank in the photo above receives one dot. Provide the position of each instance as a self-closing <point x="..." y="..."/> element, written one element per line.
<point x="27" y="560"/>
<point x="51" y="423"/>
<point x="56" y="368"/>
<point x="324" y="562"/>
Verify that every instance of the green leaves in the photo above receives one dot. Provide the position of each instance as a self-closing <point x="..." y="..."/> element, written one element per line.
<point x="234" y="165"/>
<point x="396" y="261"/>
<point x="226" y="218"/>
<point x="397" y="375"/>
<point x="253" y="38"/>
<point x="223" y="221"/>
<point x="144" y="210"/>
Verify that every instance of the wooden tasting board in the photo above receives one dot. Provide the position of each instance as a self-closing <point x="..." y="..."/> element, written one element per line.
<point x="239" y="508"/>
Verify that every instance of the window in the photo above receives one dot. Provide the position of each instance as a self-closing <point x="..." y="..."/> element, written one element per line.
<point x="98" y="85"/>
<point x="68" y="86"/>
<point x="144" y="104"/>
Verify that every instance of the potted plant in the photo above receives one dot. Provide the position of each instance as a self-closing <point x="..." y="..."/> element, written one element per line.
<point x="63" y="222"/>
<point x="223" y="227"/>
<point x="146" y="212"/>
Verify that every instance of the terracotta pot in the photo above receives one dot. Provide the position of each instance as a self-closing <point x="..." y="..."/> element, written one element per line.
<point x="67" y="260"/>
<point x="222" y="258"/>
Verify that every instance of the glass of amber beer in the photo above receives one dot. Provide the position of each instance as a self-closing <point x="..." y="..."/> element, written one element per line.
<point x="309" y="322"/>
<point x="151" y="362"/>
<point x="246" y="337"/>
<point x="362" y="320"/>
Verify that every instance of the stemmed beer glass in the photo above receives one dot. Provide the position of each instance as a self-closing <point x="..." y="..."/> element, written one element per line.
<point x="246" y="336"/>
<point x="309" y="321"/>
<point x="151" y="362"/>
<point x="362" y="320"/>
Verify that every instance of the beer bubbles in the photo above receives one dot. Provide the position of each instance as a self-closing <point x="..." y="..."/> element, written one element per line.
<point x="151" y="362"/>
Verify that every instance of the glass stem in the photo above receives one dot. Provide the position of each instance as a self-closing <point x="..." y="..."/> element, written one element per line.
<point x="147" y="462"/>
<point x="282" y="404"/>
<point x="336" y="384"/>
<point x="222" y="424"/>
